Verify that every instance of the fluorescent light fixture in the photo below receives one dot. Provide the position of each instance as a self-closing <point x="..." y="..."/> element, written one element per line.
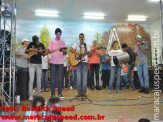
<point x="46" y="13"/>
<point x="136" y="18"/>
<point x="132" y="19"/>
<point x="94" y="16"/>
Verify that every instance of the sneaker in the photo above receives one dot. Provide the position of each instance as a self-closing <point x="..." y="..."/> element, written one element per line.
<point x="146" y="91"/>
<point x="98" y="88"/>
<point x="42" y="90"/>
<point x="31" y="98"/>
<point x="34" y="91"/>
<point x="71" y="88"/>
<point x="142" y="89"/>
<point x="131" y="89"/>
<point x="117" y="91"/>
<point x="61" y="96"/>
<point x="52" y="96"/>
<point x="46" y="90"/>
<point x="109" y="92"/>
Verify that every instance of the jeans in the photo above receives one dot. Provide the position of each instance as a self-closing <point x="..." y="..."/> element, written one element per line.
<point x="21" y="68"/>
<point x="143" y="69"/>
<point x="81" y="71"/>
<point x="89" y="78"/>
<point x="32" y="69"/>
<point x="56" y="77"/>
<point x="65" y="77"/>
<point x="129" y="76"/>
<point x="74" y="78"/>
<point x="114" y="69"/>
<point x="124" y="80"/>
<point x="44" y="78"/>
<point x="95" y="69"/>
<point x="105" y="77"/>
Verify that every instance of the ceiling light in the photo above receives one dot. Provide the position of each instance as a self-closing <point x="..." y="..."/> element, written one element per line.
<point x="94" y="14"/>
<point x="46" y="13"/>
<point x="93" y="17"/>
<point x="132" y="19"/>
<point x="136" y="18"/>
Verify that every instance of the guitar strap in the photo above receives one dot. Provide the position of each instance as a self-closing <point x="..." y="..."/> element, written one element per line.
<point x="85" y="47"/>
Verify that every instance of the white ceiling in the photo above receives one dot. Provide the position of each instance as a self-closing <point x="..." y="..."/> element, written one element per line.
<point x="116" y="11"/>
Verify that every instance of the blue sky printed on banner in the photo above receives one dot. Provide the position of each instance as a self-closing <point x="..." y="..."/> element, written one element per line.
<point x="70" y="29"/>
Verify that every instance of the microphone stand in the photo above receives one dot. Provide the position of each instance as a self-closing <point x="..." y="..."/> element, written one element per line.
<point x="83" y="97"/>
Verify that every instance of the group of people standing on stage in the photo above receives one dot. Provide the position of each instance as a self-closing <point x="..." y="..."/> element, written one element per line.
<point x="88" y="69"/>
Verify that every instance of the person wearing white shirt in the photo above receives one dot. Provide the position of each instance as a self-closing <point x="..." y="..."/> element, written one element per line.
<point x="82" y="67"/>
<point x="115" y="68"/>
<point x="45" y="70"/>
<point x="65" y="71"/>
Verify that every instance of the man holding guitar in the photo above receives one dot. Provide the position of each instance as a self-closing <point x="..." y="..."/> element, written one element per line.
<point x="94" y="57"/>
<point x="81" y="49"/>
<point x="35" y="64"/>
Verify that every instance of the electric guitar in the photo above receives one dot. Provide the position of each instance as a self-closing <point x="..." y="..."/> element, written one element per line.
<point x="35" y="52"/>
<point x="75" y="59"/>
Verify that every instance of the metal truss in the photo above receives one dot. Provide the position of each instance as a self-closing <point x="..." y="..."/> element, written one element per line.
<point x="7" y="53"/>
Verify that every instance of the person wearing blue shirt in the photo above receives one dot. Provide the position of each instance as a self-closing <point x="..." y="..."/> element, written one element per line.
<point x="104" y="60"/>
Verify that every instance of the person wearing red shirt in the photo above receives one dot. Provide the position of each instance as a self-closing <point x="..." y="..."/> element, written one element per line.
<point x="94" y="65"/>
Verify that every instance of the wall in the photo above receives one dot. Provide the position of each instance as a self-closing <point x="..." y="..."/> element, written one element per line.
<point x="156" y="40"/>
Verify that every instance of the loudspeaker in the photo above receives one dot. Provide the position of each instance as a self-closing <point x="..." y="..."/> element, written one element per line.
<point x="22" y="84"/>
<point x="136" y="80"/>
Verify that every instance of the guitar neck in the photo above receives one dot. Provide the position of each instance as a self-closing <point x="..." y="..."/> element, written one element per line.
<point x="84" y="54"/>
<point x="40" y="49"/>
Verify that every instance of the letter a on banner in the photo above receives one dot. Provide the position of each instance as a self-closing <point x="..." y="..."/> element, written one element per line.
<point x="113" y="36"/>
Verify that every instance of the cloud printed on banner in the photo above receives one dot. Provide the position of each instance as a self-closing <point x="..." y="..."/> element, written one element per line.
<point x="70" y="29"/>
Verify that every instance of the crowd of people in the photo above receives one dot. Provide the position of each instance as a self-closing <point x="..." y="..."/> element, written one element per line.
<point x="96" y="68"/>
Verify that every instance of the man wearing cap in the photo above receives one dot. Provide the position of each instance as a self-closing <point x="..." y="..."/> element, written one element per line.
<point x="35" y="64"/>
<point x="141" y="50"/>
<point x="21" y="57"/>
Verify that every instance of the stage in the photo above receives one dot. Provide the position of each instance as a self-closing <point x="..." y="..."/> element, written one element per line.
<point x="132" y="104"/>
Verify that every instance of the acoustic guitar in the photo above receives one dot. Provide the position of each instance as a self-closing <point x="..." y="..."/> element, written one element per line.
<point x="35" y="52"/>
<point x="75" y="59"/>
